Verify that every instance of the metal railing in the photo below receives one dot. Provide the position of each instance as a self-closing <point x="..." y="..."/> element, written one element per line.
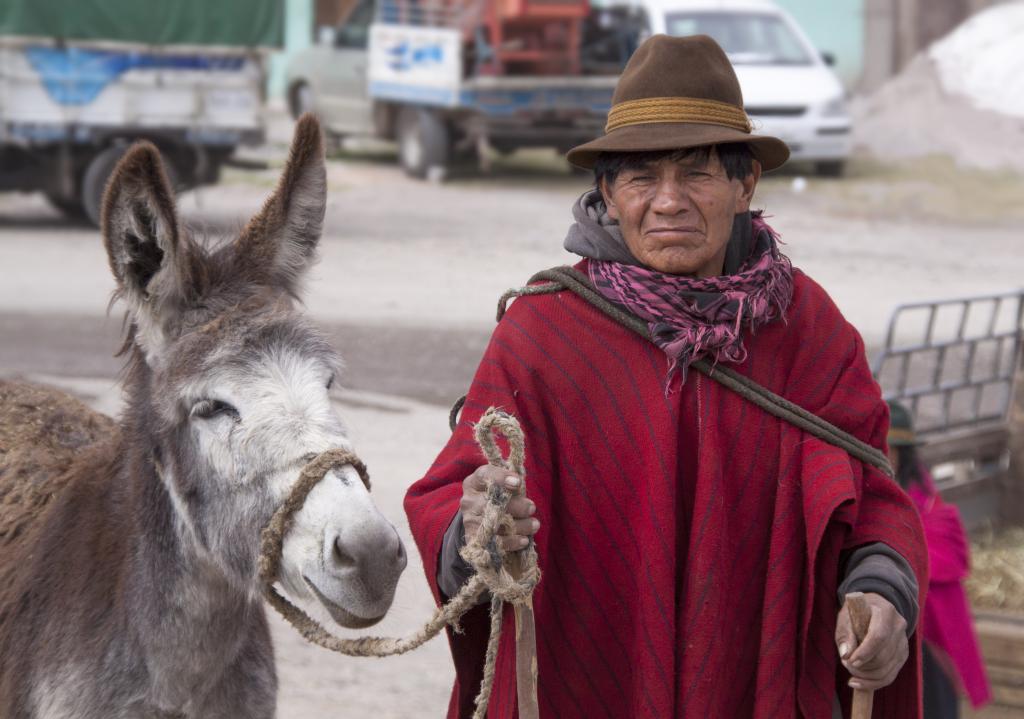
<point x="953" y="362"/>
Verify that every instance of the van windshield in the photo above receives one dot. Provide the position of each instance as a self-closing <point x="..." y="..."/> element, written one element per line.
<point x="747" y="38"/>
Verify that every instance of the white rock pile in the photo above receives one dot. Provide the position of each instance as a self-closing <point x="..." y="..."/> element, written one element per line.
<point x="962" y="97"/>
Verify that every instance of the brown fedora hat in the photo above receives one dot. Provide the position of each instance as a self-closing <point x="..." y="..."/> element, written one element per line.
<point x="678" y="92"/>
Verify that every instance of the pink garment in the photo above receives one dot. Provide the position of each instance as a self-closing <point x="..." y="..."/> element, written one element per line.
<point x="947" y="615"/>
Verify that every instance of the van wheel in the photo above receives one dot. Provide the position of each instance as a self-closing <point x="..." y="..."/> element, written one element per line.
<point x="830" y="168"/>
<point x="300" y="100"/>
<point x="94" y="182"/>
<point x="424" y="143"/>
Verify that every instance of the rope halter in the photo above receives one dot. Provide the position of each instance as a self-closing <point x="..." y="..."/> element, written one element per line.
<point x="483" y="552"/>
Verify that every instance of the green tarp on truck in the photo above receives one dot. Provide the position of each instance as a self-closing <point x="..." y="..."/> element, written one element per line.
<point x="221" y="23"/>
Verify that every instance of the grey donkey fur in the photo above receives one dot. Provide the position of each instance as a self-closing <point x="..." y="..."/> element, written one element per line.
<point x="128" y="581"/>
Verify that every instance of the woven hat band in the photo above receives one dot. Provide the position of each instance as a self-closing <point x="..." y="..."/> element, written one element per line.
<point x="676" y="109"/>
<point x="901" y="435"/>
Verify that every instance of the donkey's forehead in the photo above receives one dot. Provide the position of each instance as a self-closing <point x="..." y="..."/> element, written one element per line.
<point x="242" y="339"/>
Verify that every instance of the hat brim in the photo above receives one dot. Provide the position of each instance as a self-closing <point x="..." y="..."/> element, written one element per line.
<point x="771" y="152"/>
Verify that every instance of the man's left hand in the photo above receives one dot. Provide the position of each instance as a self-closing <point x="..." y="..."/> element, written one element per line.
<point x="878" y="659"/>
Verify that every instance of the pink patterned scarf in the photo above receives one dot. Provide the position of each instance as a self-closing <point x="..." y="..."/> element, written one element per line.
<point x="692" y="318"/>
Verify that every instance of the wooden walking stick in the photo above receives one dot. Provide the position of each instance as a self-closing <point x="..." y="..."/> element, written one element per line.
<point x="860" y="618"/>
<point x="516" y="562"/>
<point x="526" y="644"/>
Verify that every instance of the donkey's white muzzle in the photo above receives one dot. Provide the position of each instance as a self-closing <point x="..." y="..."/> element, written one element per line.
<point x="349" y="557"/>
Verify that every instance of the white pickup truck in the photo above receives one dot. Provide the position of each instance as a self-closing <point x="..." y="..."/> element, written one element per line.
<point x="409" y="80"/>
<point x="78" y="86"/>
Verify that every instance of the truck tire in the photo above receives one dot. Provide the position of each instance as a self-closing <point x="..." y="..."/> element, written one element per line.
<point x="503" y="148"/>
<point x="71" y="208"/>
<point x="300" y="99"/>
<point x="99" y="170"/>
<point x="94" y="181"/>
<point x="424" y="143"/>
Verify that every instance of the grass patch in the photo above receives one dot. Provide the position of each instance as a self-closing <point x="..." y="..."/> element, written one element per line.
<point x="932" y="187"/>
<point x="263" y="179"/>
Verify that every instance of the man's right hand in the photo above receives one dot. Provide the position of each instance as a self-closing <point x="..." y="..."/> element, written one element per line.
<point x="474" y="499"/>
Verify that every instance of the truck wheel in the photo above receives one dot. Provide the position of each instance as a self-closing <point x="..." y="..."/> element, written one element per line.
<point x="300" y="100"/>
<point x="424" y="143"/>
<point x="71" y="208"/>
<point x="503" y="148"/>
<point x="97" y="172"/>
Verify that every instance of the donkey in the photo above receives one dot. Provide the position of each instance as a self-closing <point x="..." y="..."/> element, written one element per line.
<point x="135" y="593"/>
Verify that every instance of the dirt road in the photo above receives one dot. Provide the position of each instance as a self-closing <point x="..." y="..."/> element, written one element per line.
<point x="402" y="253"/>
<point x="407" y="285"/>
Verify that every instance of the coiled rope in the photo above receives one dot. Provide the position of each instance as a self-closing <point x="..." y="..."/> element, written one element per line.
<point x="483" y="552"/>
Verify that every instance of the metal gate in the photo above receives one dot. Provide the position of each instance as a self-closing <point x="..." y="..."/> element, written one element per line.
<point x="953" y="363"/>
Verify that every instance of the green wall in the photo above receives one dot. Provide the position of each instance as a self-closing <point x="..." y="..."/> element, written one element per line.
<point x="835" y="26"/>
<point x="298" y="35"/>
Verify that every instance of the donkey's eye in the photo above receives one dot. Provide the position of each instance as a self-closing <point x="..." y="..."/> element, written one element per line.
<point x="330" y="382"/>
<point x="213" y="408"/>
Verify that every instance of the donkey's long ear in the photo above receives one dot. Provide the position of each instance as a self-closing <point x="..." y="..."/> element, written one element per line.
<point x="144" y="247"/>
<point x="279" y="243"/>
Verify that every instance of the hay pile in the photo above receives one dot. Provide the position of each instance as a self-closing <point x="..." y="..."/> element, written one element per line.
<point x="997" y="571"/>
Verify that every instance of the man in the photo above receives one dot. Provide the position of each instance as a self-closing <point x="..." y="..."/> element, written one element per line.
<point x="694" y="547"/>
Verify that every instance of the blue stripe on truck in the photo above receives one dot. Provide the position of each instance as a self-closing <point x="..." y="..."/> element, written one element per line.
<point x="558" y="100"/>
<point x="76" y="76"/>
<point x="410" y="93"/>
<point x="500" y="101"/>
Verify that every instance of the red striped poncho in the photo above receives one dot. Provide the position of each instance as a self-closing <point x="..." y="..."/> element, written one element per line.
<point x="690" y="543"/>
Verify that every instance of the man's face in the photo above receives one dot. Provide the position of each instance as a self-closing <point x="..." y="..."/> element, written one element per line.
<point x="676" y="213"/>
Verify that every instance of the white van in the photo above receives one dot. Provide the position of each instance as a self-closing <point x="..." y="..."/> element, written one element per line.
<point x="788" y="88"/>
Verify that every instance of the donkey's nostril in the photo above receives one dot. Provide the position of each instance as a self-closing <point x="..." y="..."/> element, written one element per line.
<point x="342" y="559"/>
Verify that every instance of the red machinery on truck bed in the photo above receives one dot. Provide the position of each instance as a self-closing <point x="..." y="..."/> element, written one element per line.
<point x="534" y="37"/>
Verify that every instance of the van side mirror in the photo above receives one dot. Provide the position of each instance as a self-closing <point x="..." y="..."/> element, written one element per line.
<point x="828" y="58"/>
